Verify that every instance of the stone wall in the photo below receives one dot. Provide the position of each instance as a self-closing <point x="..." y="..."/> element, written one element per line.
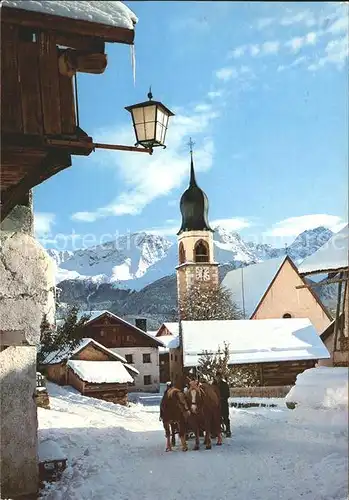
<point x="260" y="392"/>
<point x="26" y="294"/>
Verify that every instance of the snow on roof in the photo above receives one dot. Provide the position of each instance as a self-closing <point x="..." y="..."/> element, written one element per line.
<point x="172" y="327"/>
<point x="169" y="341"/>
<point x="108" y="13"/>
<point x="101" y="372"/>
<point x="131" y="368"/>
<point x="95" y="314"/>
<point x="247" y="285"/>
<point x="64" y="353"/>
<point x="332" y="256"/>
<point x="253" y="341"/>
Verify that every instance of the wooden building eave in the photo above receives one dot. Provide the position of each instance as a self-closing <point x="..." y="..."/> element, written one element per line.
<point x="48" y="22"/>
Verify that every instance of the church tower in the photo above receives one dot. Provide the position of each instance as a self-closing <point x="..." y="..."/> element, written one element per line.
<point x="197" y="267"/>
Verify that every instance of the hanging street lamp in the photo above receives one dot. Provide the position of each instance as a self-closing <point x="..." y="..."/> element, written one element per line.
<point x="150" y="121"/>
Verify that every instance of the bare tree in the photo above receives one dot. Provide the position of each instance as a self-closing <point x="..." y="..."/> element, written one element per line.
<point x="236" y="375"/>
<point x="208" y="303"/>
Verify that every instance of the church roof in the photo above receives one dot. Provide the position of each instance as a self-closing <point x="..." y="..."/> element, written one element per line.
<point x="194" y="206"/>
<point x="247" y="285"/>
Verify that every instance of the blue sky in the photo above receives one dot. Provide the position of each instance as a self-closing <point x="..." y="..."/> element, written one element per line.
<point x="262" y="90"/>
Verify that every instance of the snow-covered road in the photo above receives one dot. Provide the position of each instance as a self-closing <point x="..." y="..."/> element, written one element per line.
<point x="118" y="453"/>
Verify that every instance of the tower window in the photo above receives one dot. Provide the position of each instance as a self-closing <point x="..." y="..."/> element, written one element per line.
<point x="201" y="253"/>
<point x="181" y="253"/>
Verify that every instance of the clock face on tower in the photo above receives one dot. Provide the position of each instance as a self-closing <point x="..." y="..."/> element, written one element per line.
<point x="202" y="273"/>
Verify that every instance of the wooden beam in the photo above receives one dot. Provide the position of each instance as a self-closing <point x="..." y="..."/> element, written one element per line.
<point x="48" y="22"/>
<point x="78" y="42"/>
<point x="71" y="61"/>
<point x="322" y="283"/>
<point x="54" y="162"/>
<point x="338" y="311"/>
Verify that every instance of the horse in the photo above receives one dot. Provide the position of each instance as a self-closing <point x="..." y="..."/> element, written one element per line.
<point x="174" y="412"/>
<point x="205" y="406"/>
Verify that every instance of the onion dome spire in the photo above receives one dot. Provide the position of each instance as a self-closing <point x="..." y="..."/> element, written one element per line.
<point x="194" y="203"/>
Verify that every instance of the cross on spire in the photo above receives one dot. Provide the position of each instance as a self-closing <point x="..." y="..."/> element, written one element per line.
<point x="191" y="143"/>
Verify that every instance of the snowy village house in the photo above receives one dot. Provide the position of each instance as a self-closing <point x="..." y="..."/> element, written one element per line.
<point x="331" y="263"/>
<point x="277" y="349"/>
<point x="92" y="369"/>
<point x="43" y="45"/>
<point x="132" y="342"/>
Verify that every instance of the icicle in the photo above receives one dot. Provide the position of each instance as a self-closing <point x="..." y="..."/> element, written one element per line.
<point x="133" y="62"/>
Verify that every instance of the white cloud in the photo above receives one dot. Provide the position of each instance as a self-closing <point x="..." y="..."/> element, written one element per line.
<point x="254" y="50"/>
<point x="43" y="222"/>
<point x="270" y="47"/>
<point x="336" y="52"/>
<point x="295" y="225"/>
<point x="214" y="94"/>
<point x="170" y="230"/>
<point x="294" y="64"/>
<point x="242" y="73"/>
<point x="296" y="43"/>
<point x="304" y="17"/>
<point x="264" y="22"/>
<point x="232" y="224"/>
<point x="238" y="52"/>
<point x="202" y="108"/>
<point x="145" y="178"/>
<point x="226" y="74"/>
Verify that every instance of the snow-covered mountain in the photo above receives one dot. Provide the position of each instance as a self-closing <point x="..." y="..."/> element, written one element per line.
<point x="125" y="259"/>
<point x="136" y="260"/>
<point x="135" y="275"/>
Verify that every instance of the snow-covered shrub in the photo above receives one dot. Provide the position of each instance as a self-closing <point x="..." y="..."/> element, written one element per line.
<point x="236" y="376"/>
<point x="321" y="387"/>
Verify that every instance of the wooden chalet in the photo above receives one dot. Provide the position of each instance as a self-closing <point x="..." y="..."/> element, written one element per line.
<point x="277" y="350"/>
<point x="41" y="53"/>
<point x="92" y="369"/>
<point x="137" y="346"/>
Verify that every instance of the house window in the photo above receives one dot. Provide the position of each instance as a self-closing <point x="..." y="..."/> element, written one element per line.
<point x="176" y="357"/>
<point x="171" y="357"/>
<point x="287" y="316"/>
<point x="102" y="333"/>
<point x="147" y="379"/>
<point x="129" y="358"/>
<point x="146" y="358"/>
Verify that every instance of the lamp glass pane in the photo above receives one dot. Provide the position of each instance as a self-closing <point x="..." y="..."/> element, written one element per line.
<point x="140" y="132"/>
<point x="149" y="130"/>
<point x="161" y="117"/>
<point x="138" y="115"/>
<point x="149" y="113"/>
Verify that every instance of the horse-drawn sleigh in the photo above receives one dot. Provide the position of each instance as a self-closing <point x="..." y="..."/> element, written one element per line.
<point x="195" y="412"/>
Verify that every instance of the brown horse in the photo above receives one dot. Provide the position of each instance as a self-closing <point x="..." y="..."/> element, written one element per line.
<point x="174" y="412"/>
<point x="205" y="406"/>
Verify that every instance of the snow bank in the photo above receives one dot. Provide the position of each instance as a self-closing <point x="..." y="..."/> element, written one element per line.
<point x="110" y="13"/>
<point x="101" y="372"/>
<point x="321" y="387"/>
<point x="50" y="450"/>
